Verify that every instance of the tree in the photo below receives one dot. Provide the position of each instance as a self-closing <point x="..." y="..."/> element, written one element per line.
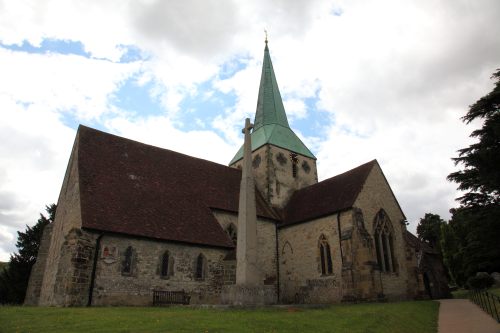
<point x="14" y="278"/>
<point x="470" y="243"/>
<point x="481" y="175"/>
<point x="429" y="229"/>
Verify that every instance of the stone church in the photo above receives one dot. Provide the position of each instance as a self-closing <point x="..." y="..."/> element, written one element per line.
<point x="133" y="219"/>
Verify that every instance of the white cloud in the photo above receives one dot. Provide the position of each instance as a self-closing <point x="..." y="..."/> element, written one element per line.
<point x="393" y="78"/>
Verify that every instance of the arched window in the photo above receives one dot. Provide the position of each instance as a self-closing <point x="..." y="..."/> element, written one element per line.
<point x="166" y="265"/>
<point x="325" y="256"/>
<point x="232" y="232"/>
<point x="127" y="261"/>
<point x="200" y="267"/>
<point x="384" y="242"/>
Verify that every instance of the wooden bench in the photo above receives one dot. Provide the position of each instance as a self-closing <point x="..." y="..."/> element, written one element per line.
<point x="164" y="297"/>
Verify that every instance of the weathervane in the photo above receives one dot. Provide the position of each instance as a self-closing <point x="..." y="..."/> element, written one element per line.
<point x="265" y="31"/>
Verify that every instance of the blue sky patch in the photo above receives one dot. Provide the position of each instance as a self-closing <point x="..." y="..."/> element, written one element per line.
<point x="133" y="53"/>
<point x="137" y="99"/>
<point x="233" y="66"/>
<point x="50" y="46"/>
<point x="200" y="110"/>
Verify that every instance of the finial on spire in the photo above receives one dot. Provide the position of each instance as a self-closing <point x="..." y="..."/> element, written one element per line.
<point x="265" y="31"/>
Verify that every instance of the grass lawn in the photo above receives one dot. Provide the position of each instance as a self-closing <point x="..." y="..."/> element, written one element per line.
<point x="463" y="293"/>
<point x="419" y="316"/>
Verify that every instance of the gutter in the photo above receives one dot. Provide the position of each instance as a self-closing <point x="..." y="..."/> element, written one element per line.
<point x="340" y="238"/>
<point x="94" y="268"/>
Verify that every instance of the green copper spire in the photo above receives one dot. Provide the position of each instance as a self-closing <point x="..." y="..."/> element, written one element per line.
<point x="270" y="109"/>
<point x="271" y="124"/>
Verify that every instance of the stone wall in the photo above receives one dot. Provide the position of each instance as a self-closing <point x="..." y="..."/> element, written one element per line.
<point x="375" y="195"/>
<point x="272" y="168"/>
<point x="301" y="279"/>
<point x="266" y="246"/>
<point x="113" y="287"/>
<point x="38" y="269"/>
<point x="68" y="217"/>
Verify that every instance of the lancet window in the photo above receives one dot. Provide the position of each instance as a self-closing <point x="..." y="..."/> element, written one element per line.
<point x="325" y="256"/>
<point x="200" y="267"/>
<point x="166" y="265"/>
<point x="127" y="261"/>
<point x="384" y="242"/>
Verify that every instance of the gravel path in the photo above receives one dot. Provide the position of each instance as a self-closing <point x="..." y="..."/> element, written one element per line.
<point x="463" y="316"/>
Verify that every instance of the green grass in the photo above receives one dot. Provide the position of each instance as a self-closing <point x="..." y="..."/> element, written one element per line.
<point x="460" y="293"/>
<point x="405" y="317"/>
<point x="495" y="291"/>
<point x="463" y="293"/>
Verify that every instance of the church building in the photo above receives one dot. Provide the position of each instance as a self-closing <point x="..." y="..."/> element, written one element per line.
<point x="133" y="219"/>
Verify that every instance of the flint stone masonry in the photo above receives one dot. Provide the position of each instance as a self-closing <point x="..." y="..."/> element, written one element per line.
<point x="113" y="288"/>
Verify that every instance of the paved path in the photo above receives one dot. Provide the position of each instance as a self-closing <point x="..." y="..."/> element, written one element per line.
<point x="463" y="316"/>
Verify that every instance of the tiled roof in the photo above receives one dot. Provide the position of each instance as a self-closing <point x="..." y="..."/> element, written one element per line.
<point x="327" y="197"/>
<point x="132" y="188"/>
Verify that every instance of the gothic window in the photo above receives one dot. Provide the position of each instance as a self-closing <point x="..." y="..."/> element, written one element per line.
<point x="166" y="265"/>
<point x="325" y="256"/>
<point x="127" y="261"/>
<point x="295" y="161"/>
<point x="231" y="231"/>
<point x="384" y="242"/>
<point x="200" y="267"/>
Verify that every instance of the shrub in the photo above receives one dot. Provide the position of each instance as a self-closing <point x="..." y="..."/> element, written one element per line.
<point x="482" y="280"/>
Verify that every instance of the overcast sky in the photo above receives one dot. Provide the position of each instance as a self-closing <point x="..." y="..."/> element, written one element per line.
<point x="360" y="80"/>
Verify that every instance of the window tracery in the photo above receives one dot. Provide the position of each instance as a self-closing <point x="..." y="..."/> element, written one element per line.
<point x="384" y="242"/>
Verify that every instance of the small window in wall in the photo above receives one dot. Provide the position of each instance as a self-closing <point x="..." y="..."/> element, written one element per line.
<point x="325" y="256"/>
<point x="166" y="265"/>
<point x="127" y="261"/>
<point x="384" y="242"/>
<point x="201" y="264"/>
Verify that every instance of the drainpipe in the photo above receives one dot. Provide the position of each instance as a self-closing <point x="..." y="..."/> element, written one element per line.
<point x="277" y="263"/>
<point x="340" y="238"/>
<point x="94" y="268"/>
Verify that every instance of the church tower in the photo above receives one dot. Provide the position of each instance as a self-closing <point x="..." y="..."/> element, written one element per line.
<point x="281" y="162"/>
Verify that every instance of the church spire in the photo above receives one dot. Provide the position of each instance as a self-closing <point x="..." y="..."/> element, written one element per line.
<point x="271" y="124"/>
<point x="270" y="109"/>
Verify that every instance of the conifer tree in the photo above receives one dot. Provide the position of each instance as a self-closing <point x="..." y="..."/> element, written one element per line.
<point x="14" y="278"/>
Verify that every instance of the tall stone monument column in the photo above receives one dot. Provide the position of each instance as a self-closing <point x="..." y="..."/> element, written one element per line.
<point x="249" y="288"/>
<point x="246" y="251"/>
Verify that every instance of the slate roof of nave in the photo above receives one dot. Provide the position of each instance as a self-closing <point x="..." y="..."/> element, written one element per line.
<point x="132" y="188"/>
<point x="328" y="196"/>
